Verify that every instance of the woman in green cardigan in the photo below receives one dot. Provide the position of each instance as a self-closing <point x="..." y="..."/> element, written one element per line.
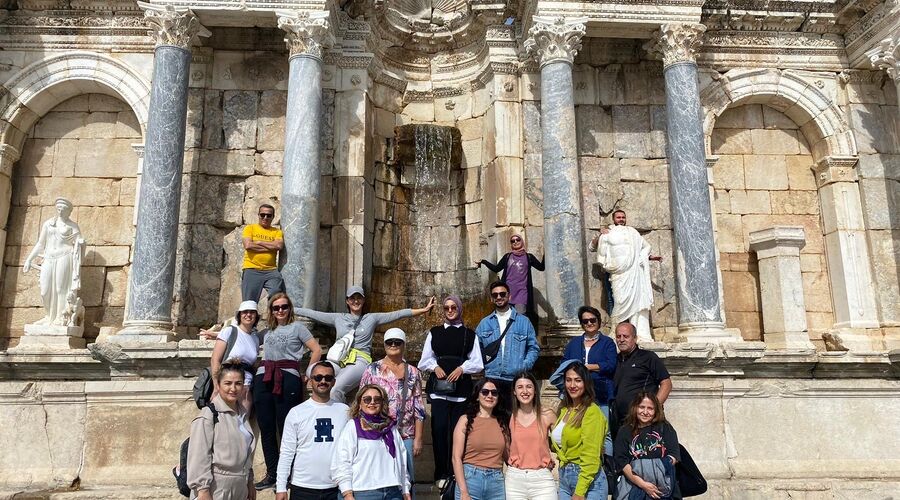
<point x="577" y="439"/>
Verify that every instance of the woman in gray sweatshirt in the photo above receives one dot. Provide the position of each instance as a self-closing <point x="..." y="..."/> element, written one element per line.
<point x="360" y="355"/>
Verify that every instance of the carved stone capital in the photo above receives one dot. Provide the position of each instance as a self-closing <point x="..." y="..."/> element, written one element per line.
<point x="676" y="43"/>
<point x="173" y="26"/>
<point x="555" y="39"/>
<point x="831" y="169"/>
<point x="307" y="33"/>
<point x="8" y="156"/>
<point x="886" y="56"/>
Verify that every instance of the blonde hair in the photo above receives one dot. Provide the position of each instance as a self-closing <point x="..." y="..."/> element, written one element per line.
<point x="354" y="410"/>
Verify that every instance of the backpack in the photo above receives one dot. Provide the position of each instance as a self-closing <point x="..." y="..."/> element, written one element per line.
<point x="180" y="471"/>
<point x="203" y="387"/>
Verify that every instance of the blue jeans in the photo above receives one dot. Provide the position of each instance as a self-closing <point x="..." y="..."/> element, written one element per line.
<point x="389" y="493"/>
<point x="483" y="484"/>
<point x="409" y="460"/>
<point x="607" y="441"/>
<point x="568" y="479"/>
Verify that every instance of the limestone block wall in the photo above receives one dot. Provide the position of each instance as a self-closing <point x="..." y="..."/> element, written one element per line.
<point x="82" y="150"/>
<point x="763" y="177"/>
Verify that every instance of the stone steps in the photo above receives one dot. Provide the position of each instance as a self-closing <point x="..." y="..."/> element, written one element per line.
<point x="422" y="492"/>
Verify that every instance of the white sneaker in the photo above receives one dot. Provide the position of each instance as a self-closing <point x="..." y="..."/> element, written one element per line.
<point x="440" y="483"/>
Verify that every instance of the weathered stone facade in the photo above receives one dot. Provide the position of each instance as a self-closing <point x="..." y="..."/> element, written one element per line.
<point x="552" y="114"/>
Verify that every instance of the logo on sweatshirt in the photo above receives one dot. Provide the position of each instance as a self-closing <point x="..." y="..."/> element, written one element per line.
<point x="323" y="430"/>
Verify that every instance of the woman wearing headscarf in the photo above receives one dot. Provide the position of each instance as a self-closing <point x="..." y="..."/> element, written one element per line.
<point x="452" y="354"/>
<point x="516" y="267"/>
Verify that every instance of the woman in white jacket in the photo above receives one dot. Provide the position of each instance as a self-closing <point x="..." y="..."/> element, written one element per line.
<point x="370" y="460"/>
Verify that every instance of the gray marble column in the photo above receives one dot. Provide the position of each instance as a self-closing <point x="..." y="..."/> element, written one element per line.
<point x="149" y="310"/>
<point x="307" y="34"/>
<point x="696" y="271"/>
<point x="554" y="42"/>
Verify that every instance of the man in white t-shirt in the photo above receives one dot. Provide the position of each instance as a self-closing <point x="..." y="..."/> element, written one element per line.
<point x="310" y="434"/>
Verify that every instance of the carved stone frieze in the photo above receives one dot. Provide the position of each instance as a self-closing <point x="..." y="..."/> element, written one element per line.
<point x="676" y="43"/>
<point x="307" y="33"/>
<point x="886" y="56"/>
<point x="555" y="39"/>
<point x="172" y="26"/>
<point x="8" y="156"/>
<point x="831" y="169"/>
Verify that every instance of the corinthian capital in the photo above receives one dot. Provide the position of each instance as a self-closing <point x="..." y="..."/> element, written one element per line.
<point x="676" y="43"/>
<point x="308" y="33"/>
<point x="8" y="156"/>
<point x="886" y="56"/>
<point x="170" y="25"/>
<point x="554" y="39"/>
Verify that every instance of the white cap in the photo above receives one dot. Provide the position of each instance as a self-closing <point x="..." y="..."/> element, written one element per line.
<point x="248" y="305"/>
<point x="394" y="333"/>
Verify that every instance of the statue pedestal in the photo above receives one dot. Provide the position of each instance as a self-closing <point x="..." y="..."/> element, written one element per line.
<point x="49" y="337"/>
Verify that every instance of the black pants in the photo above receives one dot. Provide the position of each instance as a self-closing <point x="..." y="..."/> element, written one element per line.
<point x="271" y="410"/>
<point x="301" y="493"/>
<point x="444" y="415"/>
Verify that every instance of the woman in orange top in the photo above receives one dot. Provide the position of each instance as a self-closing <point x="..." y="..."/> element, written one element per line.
<point x="528" y="471"/>
<point x="480" y="442"/>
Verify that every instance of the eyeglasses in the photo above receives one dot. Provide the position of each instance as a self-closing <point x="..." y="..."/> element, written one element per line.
<point x="393" y="343"/>
<point x="326" y="378"/>
<point x="281" y="308"/>
<point x="490" y="392"/>
<point x="450" y="308"/>
<point x="266" y="216"/>
<point x="372" y="400"/>
<point x="588" y="321"/>
<point x="498" y="295"/>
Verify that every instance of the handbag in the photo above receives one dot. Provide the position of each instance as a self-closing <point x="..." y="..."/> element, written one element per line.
<point x="339" y="351"/>
<point x="490" y="351"/>
<point x="690" y="480"/>
<point x="442" y="386"/>
<point x="448" y="492"/>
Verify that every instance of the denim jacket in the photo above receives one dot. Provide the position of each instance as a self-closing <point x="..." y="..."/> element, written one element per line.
<point x="520" y="351"/>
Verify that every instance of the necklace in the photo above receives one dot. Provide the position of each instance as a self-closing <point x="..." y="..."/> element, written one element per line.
<point x="593" y="338"/>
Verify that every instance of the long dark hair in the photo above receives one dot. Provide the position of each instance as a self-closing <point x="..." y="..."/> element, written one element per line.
<point x="586" y="399"/>
<point x="631" y="420"/>
<point x="498" y="413"/>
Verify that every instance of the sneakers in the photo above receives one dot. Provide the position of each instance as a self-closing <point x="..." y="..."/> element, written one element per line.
<point x="440" y="483"/>
<point x="266" y="483"/>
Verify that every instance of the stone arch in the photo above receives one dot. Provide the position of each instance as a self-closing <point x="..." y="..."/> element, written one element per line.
<point x="802" y="100"/>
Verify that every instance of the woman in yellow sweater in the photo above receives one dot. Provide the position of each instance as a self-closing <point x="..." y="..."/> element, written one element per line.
<point x="577" y="439"/>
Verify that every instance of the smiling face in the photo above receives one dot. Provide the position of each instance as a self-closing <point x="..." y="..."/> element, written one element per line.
<point x="266" y="216"/>
<point x="500" y="296"/>
<point x="589" y="323"/>
<point x="230" y="386"/>
<point x="646" y="410"/>
<point x="516" y="242"/>
<point x="370" y="402"/>
<point x="281" y="308"/>
<point x="524" y="391"/>
<point x="619" y="218"/>
<point x="322" y="380"/>
<point x="451" y="311"/>
<point x="488" y="396"/>
<point x="355" y="303"/>
<point x="574" y="384"/>
<point x="248" y="319"/>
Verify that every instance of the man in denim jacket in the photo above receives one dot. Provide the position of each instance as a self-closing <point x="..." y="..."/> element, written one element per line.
<point x="518" y="349"/>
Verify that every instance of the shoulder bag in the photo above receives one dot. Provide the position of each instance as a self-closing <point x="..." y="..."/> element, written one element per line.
<point x="490" y="351"/>
<point x="203" y="386"/>
<point x="690" y="480"/>
<point x="442" y="386"/>
<point x="339" y="351"/>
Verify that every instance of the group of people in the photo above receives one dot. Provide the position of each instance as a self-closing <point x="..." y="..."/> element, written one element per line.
<point x="323" y="448"/>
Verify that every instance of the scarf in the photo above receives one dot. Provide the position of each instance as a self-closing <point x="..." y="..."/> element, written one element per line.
<point x="456" y="300"/>
<point x="524" y="249"/>
<point x="381" y="428"/>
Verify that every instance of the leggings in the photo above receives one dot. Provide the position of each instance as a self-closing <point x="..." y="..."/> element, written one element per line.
<point x="348" y="379"/>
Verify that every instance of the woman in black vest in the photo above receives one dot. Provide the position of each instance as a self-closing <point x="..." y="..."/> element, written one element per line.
<point x="451" y="352"/>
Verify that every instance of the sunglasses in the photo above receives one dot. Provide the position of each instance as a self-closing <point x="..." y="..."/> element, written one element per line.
<point x="450" y="308"/>
<point x="372" y="400"/>
<point x="266" y="216"/>
<point x="498" y="295"/>
<point x="490" y="392"/>
<point x="393" y="343"/>
<point x="326" y="378"/>
<point x="515" y="240"/>
<point x="588" y="321"/>
<point x="282" y="307"/>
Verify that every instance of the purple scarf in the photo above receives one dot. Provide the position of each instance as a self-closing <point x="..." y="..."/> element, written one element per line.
<point x="456" y="300"/>
<point x="383" y="430"/>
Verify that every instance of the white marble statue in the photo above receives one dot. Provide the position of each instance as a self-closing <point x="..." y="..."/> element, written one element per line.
<point x="625" y="255"/>
<point x="61" y="249"/>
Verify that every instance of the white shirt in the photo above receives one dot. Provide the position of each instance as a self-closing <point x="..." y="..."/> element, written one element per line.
<point x="366" y="464"/>
<point x="502" y="320"/>
<point x="556" y="435"/>
<point x="311" y="432"/>
<point x="246" y="348"/>
<point x="472" y="364"/>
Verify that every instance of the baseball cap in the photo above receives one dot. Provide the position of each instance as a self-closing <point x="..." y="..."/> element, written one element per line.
<point x="394" y="333"/>
<point x="354" y="290"/>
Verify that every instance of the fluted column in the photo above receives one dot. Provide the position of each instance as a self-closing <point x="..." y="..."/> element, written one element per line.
<point x="307" y="34"/>
<point x="696" y="272"/>
<point x="149" y="312"/>
<point x="554" y="42"/>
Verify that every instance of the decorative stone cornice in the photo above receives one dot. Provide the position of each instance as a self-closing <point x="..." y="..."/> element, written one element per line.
<point x="555" y="39"/>
<point x="8" y="156"/>
<point x="676" y="43"/>
<point x="777" y="241"/>
<point x="172" y="26"/>
<point x="832" y="169"/>
<point x="308" y="33"/>
<point x="886" y="56"/>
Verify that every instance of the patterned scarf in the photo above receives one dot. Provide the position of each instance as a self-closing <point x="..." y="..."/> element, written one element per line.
<point x="380" y="428"/>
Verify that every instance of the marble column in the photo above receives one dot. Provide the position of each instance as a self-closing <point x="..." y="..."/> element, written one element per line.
<point x="696" y="271"/>
<point x="554" y="42"/>
<point x="307" y="34"/>
<point x="152" y="278"/>
<point x="781" y="286"/>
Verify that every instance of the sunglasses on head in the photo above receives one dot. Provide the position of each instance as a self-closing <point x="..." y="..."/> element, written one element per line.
<point x="498" y="295"/>
<point x="372" y="400"/>
<point x="393" y="343"/>
<point x="588" y="321"/>
<point x="266" y="216"/>
<point x="490" y="392"/>
<point x="281" y="307"/>
<point x="326" y="378"/>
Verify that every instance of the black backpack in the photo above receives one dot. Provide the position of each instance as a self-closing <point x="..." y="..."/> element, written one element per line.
<point x="180" y="472"/>
<point x="203" y="387"/>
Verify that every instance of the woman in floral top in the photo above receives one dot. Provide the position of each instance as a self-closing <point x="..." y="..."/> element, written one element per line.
<point x="403" y="385"/>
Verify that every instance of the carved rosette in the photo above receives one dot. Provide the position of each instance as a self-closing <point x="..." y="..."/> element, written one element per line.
<point x="555" y="39"/>
<point x="307" y="33"/>
<point x="172" y="26"/>
<point x="676" y="43"/>
<point x="886" y="56"/>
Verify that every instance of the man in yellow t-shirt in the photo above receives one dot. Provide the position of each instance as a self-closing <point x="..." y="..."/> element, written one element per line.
<point x="262" y="242"/>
